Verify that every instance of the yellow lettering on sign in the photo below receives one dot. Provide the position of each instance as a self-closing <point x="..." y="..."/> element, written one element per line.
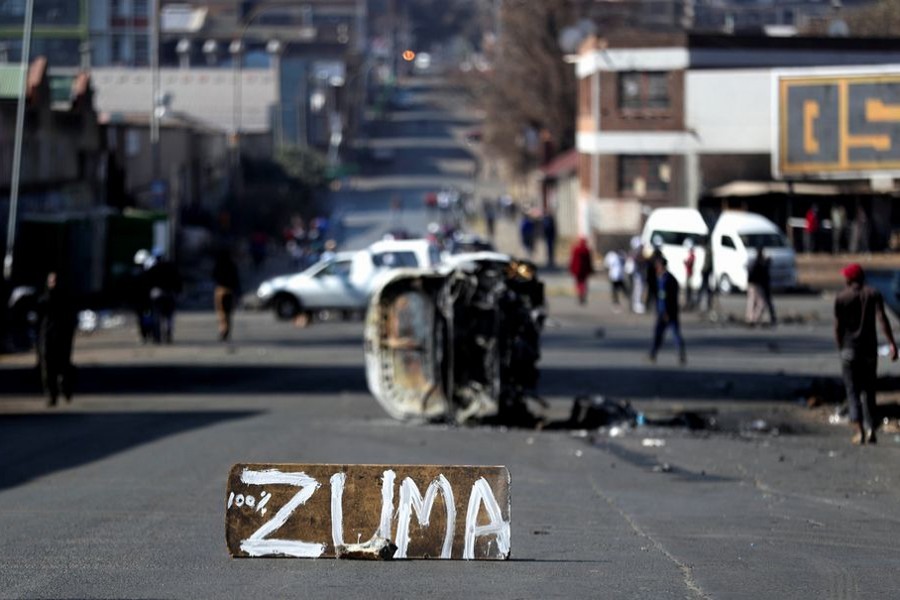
<point x="810" y="115"/>
<point x="878" y="111"/>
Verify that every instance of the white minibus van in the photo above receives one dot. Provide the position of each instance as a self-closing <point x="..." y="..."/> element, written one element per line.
<point x="736" y="237"/>
<point x="675" y="230"/>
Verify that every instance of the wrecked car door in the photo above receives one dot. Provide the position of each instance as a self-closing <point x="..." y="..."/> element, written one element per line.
<point x="456" y="345"/>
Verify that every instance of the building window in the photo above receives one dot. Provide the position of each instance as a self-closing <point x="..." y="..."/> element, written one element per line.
<point x="120" y="8"/>
<point x="642" y="90"/>
<point x="644" y="175"/>
<point x="121" y="50"/>
<point x="141" y="51"/>
<point x="141" y="8"/>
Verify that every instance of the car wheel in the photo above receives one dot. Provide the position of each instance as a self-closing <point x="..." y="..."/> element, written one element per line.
<point x="725" y="285"/>
<point x="286" y="307"/>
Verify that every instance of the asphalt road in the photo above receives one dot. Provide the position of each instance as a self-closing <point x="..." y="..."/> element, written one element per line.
<point x="122" y="493"/>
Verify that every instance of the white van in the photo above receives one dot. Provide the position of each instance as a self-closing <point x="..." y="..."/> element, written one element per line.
<point x="675" y="230"/>
<point x="736" y="237"/>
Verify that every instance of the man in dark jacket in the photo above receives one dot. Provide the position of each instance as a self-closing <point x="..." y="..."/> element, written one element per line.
<point x="856" y="309"/>
<point x="666" y="311"/>
<point x="164" y="283"/>
<point x="55" y="337"/>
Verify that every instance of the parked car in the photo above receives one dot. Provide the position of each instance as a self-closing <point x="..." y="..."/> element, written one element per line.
<point x="735" y="239"/>
<point x="674" y="230"/>
<point x="343" y="282"/>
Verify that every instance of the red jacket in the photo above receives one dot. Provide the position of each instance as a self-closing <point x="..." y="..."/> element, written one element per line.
<point x="580" y="264"/>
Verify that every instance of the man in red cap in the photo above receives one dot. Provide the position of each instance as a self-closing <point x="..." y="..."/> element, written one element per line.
<point x="855" y="311"/>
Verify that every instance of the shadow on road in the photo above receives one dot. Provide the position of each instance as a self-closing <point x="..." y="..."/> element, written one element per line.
<point x="670" y="383"/>
<point x="32" y="446"/>
<point x="196" y="379"/>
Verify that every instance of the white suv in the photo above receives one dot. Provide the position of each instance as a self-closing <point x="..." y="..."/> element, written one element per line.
<point x="344" y="282"/>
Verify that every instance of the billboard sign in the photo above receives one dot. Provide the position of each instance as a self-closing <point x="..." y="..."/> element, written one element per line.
<point x="842" y="126"/>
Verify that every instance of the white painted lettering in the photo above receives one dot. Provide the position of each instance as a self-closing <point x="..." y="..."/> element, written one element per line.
<point x="258" y="544"/>
<point x="483" y="495"/>
<point x="337" y="509"/>
<point x="387" y="503"/>
<point x="411" y="500"/>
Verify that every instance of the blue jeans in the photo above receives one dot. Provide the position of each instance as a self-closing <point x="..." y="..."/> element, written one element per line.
<point x="860" y="379"/>
<point x="661" y="326"/>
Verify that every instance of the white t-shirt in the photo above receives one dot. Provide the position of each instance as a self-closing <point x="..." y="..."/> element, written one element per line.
<point x="614" y="265"/>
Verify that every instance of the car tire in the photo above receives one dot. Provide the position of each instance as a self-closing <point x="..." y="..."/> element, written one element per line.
<point x="286" y="307"/>
<point x="725" y="285"/>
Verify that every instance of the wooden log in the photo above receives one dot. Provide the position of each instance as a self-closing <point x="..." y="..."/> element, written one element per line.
<point x="368" y="511"/>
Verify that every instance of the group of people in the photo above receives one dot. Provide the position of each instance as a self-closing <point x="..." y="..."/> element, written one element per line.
<point x="305" y="244"/>
<point x="650" y="268"/>
<point x="858" y="312"/>
<point x="846" y="234"/>
<point x="533" y="224"/>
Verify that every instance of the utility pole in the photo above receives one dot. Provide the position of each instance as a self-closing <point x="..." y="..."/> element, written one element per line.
<point x="17" y="144"/>
<point x="154" y="91"/>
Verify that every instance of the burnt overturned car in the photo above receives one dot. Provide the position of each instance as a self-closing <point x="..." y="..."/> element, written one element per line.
<point x="458" y="345"/>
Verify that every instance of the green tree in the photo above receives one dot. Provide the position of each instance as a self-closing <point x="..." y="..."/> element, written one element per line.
<point x="308" y="167"/>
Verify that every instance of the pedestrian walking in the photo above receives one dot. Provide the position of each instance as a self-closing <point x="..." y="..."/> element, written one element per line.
<point x="549" y="227"/>
<point x="689" y="262"/>
<point x="859" y="237"/>
<point x="636" y="270"/>
<point x="652" y="254"/>
<point x="759" y="289"/>
<point x="615" y="270"/>
<point x="139" y="293"/>
<point x="838" y="225"/>
<point x="707" y="285"/>
<point x="164" y="283"/>
<point x="526" y="234"/>
<point x="666" y="311"/>
<point x="55" y="339"/>
<point x="856" y="309"/>
<point x="489" y="209"/>
<point x="811" y="229"/>
<point x="581" y="266"/>
<point x="227" y="290"/>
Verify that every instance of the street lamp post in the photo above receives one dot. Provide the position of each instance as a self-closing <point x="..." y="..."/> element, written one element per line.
<point x="17" y="144"/>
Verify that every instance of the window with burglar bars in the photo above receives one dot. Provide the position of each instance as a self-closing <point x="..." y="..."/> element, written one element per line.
<point x="644" y="90"/>
<point x="644" y="175"/>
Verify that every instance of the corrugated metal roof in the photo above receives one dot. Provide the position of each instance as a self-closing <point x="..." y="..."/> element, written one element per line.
<point x="10" y="81"/>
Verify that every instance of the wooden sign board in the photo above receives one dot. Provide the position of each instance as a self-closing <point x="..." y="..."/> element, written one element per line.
<point x="368" y="511"/>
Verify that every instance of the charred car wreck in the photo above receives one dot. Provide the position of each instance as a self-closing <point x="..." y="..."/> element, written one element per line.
<point x="457" y="345"/>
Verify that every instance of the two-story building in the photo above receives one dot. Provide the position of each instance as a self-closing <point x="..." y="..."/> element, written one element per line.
<point x="670" y="119"/>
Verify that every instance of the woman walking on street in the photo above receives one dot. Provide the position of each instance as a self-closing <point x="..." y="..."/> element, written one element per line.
<point x="581" y="266"/>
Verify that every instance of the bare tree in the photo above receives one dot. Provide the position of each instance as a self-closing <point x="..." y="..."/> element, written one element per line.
<point x="529" y="93"/>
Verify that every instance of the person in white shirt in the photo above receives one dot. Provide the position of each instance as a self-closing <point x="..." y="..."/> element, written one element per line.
<point x="614" y="262"/>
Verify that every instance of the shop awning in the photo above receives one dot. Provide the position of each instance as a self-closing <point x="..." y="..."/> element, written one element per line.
<point x="762" y="188"/>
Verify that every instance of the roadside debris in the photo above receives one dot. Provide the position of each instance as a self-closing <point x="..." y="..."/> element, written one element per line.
<point x="617" y="417"/>
<point x="377" y="548"/>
